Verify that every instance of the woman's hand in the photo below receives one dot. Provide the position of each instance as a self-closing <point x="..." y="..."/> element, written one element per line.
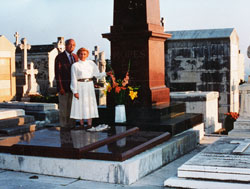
<point x="76" y="95"/>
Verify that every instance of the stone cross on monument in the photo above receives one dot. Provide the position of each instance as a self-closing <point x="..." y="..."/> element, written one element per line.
<point x="24" y="47"/>
<point x="243" y="145"/>
<point x="102" y="65"/>
<point x="32" y="84"/>
<point x="16" y="35"/>
<point x="95" y="53"/>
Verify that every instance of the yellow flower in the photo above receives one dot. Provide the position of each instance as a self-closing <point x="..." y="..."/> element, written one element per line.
<point x="108" y="88"/>
<point x="133" y="94"/>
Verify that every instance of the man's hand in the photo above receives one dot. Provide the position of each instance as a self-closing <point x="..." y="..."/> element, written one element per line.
<point x="76" y="95"/>
<point x="62" y="92"/>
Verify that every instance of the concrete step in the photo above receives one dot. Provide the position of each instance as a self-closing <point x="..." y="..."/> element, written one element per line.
<point x="14" y="130"/>
<point x="41" y="111"/>
<point x="49" y="115"/>
<point x="16" y="121"/>
<point x="139" y="115"/>
<point x="8" y="113"/>
<point x="176" y="182"/>
<point x="29" y="106"/>
<point x="174" y="125"/>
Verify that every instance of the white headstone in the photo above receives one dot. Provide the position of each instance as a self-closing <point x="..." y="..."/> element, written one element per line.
<point x="242" y="124"/>
<point x="33" y="87"/>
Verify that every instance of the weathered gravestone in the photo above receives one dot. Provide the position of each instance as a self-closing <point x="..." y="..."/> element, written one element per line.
<point x="22" y="77"/>
<point x="224" y="164"/>
<point x="242" y="125"/>
<point x="29" y="85"/>
<point x="43" y="57"/>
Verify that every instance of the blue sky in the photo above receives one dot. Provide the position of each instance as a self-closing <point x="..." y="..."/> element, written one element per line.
<point x="42" y="21"/>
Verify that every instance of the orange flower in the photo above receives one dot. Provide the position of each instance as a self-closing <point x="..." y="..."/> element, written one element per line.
<point x="233" y="115"/>
<point x="118" y="89"/>
<point x="125" y="80"/>
<point x="123" y="88"/>
<point x="114" y="85"/>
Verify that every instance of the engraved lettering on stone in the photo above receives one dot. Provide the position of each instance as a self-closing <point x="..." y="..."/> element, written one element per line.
<point x="133" y="4"/>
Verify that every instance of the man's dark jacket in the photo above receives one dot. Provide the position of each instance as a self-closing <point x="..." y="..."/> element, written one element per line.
<point x="63" y="71"/>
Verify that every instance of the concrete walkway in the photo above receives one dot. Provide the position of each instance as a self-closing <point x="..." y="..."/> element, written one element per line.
<point x="15" y="180"/>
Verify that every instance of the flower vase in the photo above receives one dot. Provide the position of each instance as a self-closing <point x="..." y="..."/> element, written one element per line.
<point x="120" y="113"/>
<point x="229" y="123"/>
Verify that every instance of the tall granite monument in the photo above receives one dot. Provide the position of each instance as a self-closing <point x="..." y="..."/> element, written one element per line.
<point x="137" y="36"/>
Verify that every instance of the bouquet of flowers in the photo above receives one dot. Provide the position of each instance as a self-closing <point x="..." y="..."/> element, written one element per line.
<point x="120" y="87"/>
<point x="232" y="115"/>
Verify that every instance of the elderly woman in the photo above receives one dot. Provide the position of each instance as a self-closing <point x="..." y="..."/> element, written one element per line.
<point x="84" y="104"/>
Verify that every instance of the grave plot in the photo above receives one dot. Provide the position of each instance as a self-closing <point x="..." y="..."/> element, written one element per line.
<point x="117" y="144"/>
<point x="224" y="164"/>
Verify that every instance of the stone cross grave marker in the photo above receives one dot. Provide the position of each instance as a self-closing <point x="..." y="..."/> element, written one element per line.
<point x="102" y="65"/>
<point x="95" y="53"/>
<point x="24" y="46"/>
<point x="102" y="62"/>
<point x="16" y="35"/>
<point x="243" y="145"/>
<point x="32" y="84"/>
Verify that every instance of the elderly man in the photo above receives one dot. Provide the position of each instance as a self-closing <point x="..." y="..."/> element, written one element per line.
<point x="63" y="63"/>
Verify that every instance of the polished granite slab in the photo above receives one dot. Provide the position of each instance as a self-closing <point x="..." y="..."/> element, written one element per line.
<point x="118" y="143"/>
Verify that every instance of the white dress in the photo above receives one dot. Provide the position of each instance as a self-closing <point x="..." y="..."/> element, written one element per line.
<point x="85" y="107"/>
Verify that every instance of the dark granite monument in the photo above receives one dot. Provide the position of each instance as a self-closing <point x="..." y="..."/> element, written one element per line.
<point x="138" y="36"/>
